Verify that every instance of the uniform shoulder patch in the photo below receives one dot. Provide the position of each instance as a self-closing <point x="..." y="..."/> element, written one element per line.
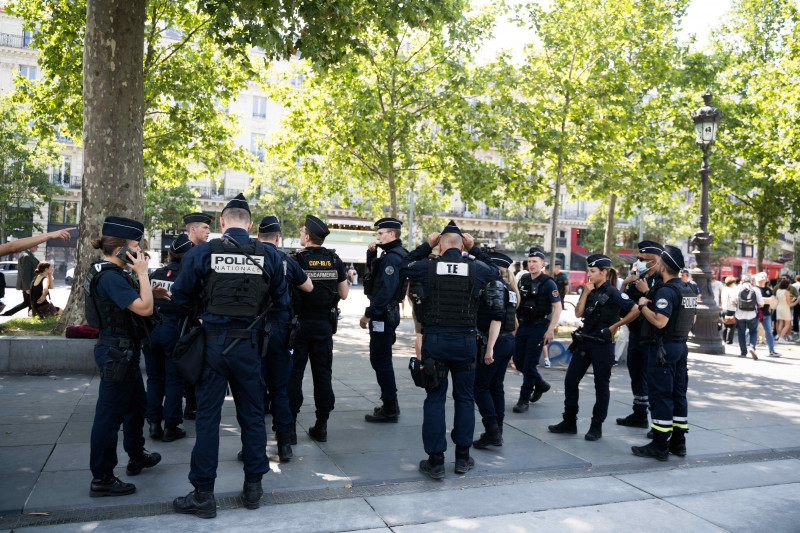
<point x="389" y="270"/>
<point x="624" y="296"/>
<point x="662" y="303"/>
<point x="556" y="294"/>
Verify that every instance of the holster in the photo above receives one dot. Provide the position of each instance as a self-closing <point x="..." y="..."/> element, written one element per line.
<point x="118" y="367"/>
<point x="292" y="330"/>
<point x="483" y="342"/>
<point x="266" y="333"/>
<point x="334" y="318"/>
<point x="431" y="373"/>
<point x="661" y="353"/>
<point x="415" y="367"/>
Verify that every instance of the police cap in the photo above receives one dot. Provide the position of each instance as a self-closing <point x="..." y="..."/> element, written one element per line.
<point x="269" y="224"/>
<point x="316" y="226"/>
<point x="451" y="228"/>
<point x="673" y="257"/>
<point x="125" y="228"/>
<point x="598" y="261"/>
<point x="650" y="247"/>
<point x="238" y="202"/>
<point x="388" y="223"/>
<point x="501" y="260"/>
<point x="196" y="217"/>
<point x="535" y="251"/>
<point x="181" y="245"/>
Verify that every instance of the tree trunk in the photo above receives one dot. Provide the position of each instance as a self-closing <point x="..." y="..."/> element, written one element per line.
<point x="113" y="114"/>
<point x="608" y="244"/>
<point x="559" y="175"/>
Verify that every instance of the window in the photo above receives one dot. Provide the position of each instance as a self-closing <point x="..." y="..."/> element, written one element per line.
<point x="61" y="173"/>
<point x="256" y="146"/>
<point x="27" y="38"/>
<point x="27" y="72"/>
<point x="259" y="107"/>
<point x="64" y="212"/>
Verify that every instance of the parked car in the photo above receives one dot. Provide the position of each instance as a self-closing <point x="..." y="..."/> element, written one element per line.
<point x="9" y="269"/>
<point x="70" y="274"/>
<point x="577" y="280"/>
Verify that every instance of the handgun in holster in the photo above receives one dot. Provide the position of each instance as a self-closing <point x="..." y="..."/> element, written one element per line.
<point x="483" y="342"/>
<point x="293" y="330"/>
<point x="266" y="333"/>
<point x="118" y="366"/>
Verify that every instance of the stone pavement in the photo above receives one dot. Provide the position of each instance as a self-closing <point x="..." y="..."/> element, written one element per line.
<point x="741" y="473"/>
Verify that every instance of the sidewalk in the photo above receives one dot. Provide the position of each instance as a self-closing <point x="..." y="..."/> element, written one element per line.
<point x="744" y="422"/>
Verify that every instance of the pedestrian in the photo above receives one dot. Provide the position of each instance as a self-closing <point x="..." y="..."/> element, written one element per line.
<point x="766" y="311"/>
<point x="197" y="226"/>
<point x="41" y="305"/>
<point x="538" y="313"/>
<point x="644" y="282"/>
<point x="318" y="314"/>
<point x="670" y="315"/>
<point x="716" y="289"/>
<point x="236" y="279"/>
<point x="796" y="311"/>
<point x="277" y="366"/>
<point x="450" y="287"/>
<point x="600" y="306"/>
<point x="729" y="309"/>
<point x="686" y="277"/>
<point x="115" y="304"/>
<point x="498" y="335"/>
<point x="26" y="271"/>
<point x="164" y="383"/>
<point x="385" y="289"/>
<point x="784" y="311"/>
<point x="747" y="301"/>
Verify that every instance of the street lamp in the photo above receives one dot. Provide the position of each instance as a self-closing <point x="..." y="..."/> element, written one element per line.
<point x="706" y="337"/>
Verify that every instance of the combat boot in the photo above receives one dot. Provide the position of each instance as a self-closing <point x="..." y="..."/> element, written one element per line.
<point x="540" y="389"/>
<point x="464" y="463"/>
<point x="433" y="466"/>
<point x="595" y="431"/>
<point x="155" y="430"/>
<point x="634" y="420"/>
<point x="197" y="502"/>
<point x="172" y="432"/>
<point x="568" y="425"/>
<point x="522" y="405"/>
<point x="251" y="494"/>
<point x="110" y="486"/>
<point x="388" y="412"/>
<point x="284" y="448"/>
<point x="293" y="434"/>
<point x="677" y="443"/>
<point x="147" y="460"/>
<point x="319" y="431"/>
<point x="492" y="437"/>
<point x="657" y="449"/>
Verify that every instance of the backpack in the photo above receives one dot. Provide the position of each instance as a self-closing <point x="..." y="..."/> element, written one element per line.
<point x="747" y="299"/>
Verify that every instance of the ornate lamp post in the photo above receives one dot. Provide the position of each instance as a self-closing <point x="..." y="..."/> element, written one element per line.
<point x="706" y="335"/>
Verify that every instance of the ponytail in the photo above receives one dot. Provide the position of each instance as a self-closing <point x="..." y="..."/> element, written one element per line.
<point x="612" y="276"/>
<point x="41" y="267"/>
<point x="108" y="244"/>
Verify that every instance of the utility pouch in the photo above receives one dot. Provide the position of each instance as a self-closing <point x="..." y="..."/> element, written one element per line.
<point x="483" y="341"/>
<point x="117" y="368"/>
<point x="415" y="367"/>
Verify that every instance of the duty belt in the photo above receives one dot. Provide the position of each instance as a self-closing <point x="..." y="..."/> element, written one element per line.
<point x="230" y="333"/>
<point x="117" y="342"/>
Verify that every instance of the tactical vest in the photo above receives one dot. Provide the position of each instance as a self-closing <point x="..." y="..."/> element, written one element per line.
<point x="497" y="295"/>
<point x="235" y="286"/>
<point x="682" y="319"/>
<point x="449" y="301"/>
<point x="164" y="278"/>
<point x="562" y="280"/>
<point x="103" y="313"/>
<point x="319" y="264"/>
<point x="600" y="312"/>
<point x="535" y="307"/>
<point x="373" y="281"/>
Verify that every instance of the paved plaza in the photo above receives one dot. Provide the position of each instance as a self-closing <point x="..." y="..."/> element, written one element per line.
<point x="741" y="474"/>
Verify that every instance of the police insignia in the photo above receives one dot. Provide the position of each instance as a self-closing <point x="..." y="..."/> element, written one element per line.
<point x="624" y="296"/>
<point x="662" y="303"/>
<point x="555" y="294"/>
<point x="389" y="270"/>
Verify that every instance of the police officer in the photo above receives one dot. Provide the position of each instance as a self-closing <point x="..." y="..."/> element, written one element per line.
<point x="115" y="304"/>
<point x="450" y="287"/>
<point x="164" y="383"/>
<point x="198" y="228"/>
<point x="384" y="288"/>
<point x="635" y="286"/>
<point x="318" y="315"/>
<point x="671" y="314"/>
<point x="277" y="365"/>
<point x="236" y="279"/>
<point x="562" y="281"/>
<point x="600" y="306"/>
<point x="538" y="313"/>
<point x="499" y="295"/>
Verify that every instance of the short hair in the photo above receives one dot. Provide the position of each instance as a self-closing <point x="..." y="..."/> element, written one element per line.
<point x="451" y="239"/>
<point x="395" y="232"/>
<point x="671" y="271"/>
<point x="730" y="280"/>
<point x="236" y="215"/>
<point x="315" y="239"/>
<point x="268" y="236"/>
<point x="784" y="284"/>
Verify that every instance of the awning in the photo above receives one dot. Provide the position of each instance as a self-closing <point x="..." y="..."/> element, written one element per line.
<point x="751" y="261"/>
<point x="626" y="259"/>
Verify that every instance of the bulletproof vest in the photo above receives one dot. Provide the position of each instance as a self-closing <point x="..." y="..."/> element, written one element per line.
<point x="235" y="286"/>
<point x="682" y="319"/>
<point x="450" y="300"/>
<point x="373" y="281"/>
<point x="495" y="296"/>
<point x="600" y="311"/>
<point x="103" y="313"/>
<point x="319" y="264"/>
<point x="164" y="278"/>
<point x="535" y="307"/>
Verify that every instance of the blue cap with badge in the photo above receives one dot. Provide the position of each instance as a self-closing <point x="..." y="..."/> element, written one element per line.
<point x="269" y="224"/>
<point x="535" y="251"/>
<point x="650" y="247"/>
<point x="181" y="245"/>
<point x="196" y="217"/>
<point x="501" y="260"/>
<point x="673" y="258"/>
<point x="598" y="261"/>
<point x="125" y="228"/>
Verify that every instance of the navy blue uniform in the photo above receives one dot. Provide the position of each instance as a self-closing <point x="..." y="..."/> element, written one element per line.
<point x="118" y="403"/>
<point x="637" y="354"/>
<point x="455" y="348"/>
<point x="241" y="367"/>
<point x="600" y="356"/>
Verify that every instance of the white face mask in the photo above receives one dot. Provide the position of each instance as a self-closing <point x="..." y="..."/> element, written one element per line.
<point x="641" y="267"/>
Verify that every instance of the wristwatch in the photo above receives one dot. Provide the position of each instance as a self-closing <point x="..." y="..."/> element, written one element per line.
<point x="640" y="307"/>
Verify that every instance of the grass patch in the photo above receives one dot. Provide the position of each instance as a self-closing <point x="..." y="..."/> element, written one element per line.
<point x="29" y="326"/>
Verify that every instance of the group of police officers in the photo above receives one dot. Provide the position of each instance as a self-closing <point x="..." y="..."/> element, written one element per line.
<point x="263" y="315"/>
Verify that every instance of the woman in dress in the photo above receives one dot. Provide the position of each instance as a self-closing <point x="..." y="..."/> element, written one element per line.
<point x="784" y="311"/>
<point x="40" y="291"/>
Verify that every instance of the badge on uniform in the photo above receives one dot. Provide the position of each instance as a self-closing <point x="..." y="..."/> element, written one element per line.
<point x="512" y="297"/>
<point x="624" y="296"/>
<point x="556" y="294"/>
<point x="452" y="269"/>
<point x="389" y="270"/>
<point x="662" y="303"/>
<point x="377" y="327"/>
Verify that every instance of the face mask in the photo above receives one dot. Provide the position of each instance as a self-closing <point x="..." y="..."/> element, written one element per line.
<point x="641" y="266"/>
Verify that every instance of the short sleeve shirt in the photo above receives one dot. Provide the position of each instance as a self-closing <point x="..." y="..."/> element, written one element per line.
<point x="112" y="286"/>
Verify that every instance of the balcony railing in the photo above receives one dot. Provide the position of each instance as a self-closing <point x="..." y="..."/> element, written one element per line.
<point x="561" y="242"/>
<point x="70" y="182"/>
<point x="16" y="41"/>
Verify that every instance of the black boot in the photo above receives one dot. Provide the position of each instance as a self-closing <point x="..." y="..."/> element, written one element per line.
<point x="155" y="430"/>
<point x="110" y="486"/>
<point x="464" y="463"/>
<point x="677" y="443"/>
<point x="492" y="437"/>
<point x="172" y="432"/>
<point x="522" y="405"/>
<point x="197" y="502"/>
<point x="657" y="449"/>
<point x="284" y="448"/>
<point x="595" y="431"/>
<point x="540" y="389"/>
<point x="388" y="412"/>
<point x="251" y="494"/>
<point x="650" y="434"/>
<point x="636" y="419"/>
<point x="568" y="425"/>
<point x="433" y="466"/>
<point x="319" y="431"/>
<point x="293" y="434"/>
<point x="147" y="460"/>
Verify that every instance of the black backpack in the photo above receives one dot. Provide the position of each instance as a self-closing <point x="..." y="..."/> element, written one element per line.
<point x="747" y="299"/>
